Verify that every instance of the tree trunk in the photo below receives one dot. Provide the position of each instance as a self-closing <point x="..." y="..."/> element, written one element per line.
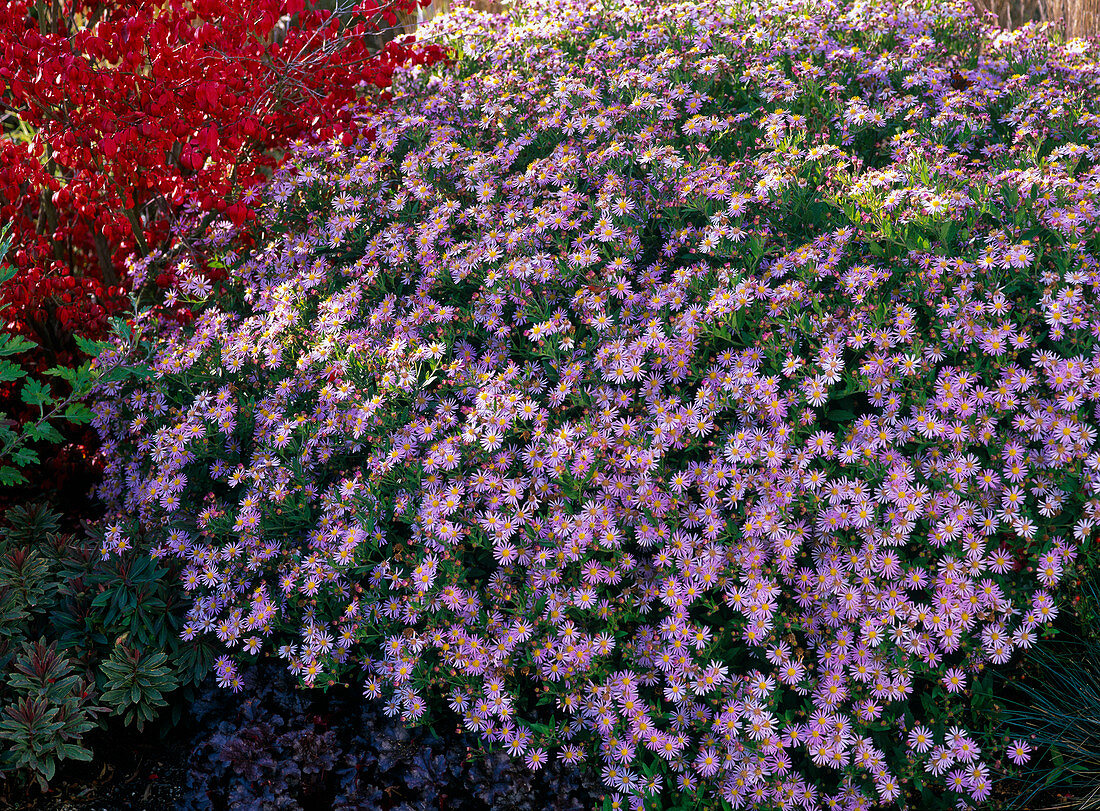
<point x="1010" y="14"/>
<point x="1082" y="18"/>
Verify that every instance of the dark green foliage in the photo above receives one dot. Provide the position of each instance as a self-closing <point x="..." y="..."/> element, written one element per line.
<point x="137" y="683"/>
<point x="1058" y="714"/>
<point x="1055" y="708"/>
<point x="82" y="641"/>
<point x="49" y="711"/>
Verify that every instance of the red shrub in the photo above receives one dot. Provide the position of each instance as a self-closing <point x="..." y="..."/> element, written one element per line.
<point x="128" y="109"/>
<point x="117" y="113"/>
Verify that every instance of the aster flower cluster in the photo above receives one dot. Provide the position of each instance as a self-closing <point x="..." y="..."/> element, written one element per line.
<point x="690" y="388"/>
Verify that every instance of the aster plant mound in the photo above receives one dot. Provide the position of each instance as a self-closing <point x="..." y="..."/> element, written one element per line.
<point x="705" y="393"/>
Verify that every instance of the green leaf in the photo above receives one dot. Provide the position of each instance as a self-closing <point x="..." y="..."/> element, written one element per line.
<point x="90" y="348"/>
<point x="24" y="457"/>
<point x="79" y="413"/>
<point x="36" y="393"/>
<point x="9" y="371"/>
<point x="42" y="431"/>
<point x="49" y="765"/>
<point x="72" y="751"/>
<point x="141" y="372"/>
<point x="948" y="232"/>
<point x="83" y="379"/>
<point x="13" y="344"/>
<point x="11" y="476"/>
<point x="121" y="328"/>
<point x="64" y="372"/>
<point x="79" y="377"/>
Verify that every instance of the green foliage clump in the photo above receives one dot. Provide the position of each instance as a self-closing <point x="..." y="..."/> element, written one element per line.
<point x="83" y="640"/>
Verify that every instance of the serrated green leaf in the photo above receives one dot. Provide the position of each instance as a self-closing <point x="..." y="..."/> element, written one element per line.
<point x="90" y="348"/>
<point x="117" y="374"/>
<point x="141" y="372"/>
<point x="64" y="372"/>
<point x="11" y="476"/>
<point x="14" y="344"/>
<point x="36" y="393"/>
<point x="83" y="379"/>
<point x="24" y="457"/>
<point x="7" y="272"/>
<point x="9" y="372"/>
<point x="79" y="377"/>
<point x="121" y="328"/>
<point x="37" y="432"/>
<point x="79" y="413"/>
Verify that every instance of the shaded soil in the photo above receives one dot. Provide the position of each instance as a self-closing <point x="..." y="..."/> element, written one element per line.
<point x="138" y="772"/>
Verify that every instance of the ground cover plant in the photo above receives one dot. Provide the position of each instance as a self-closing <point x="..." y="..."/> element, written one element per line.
<point x="276" y="747"/>
<point x="703" y="393"/>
